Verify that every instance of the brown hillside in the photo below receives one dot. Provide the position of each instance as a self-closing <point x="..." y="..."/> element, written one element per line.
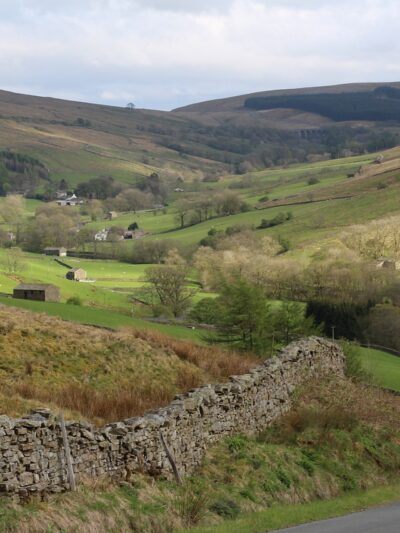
<point x="96" y="373"/>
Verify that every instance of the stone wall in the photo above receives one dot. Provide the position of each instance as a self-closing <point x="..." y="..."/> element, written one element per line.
<point x="33" y="458"/>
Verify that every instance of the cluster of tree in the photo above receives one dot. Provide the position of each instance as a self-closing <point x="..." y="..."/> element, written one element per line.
<point x="243" y="318"/>
<point x="370" y="323"/>
<point x="241" y="315"/>
<point x="375" y="239"/>
<point x="95" y="209"/>
<point x="198" y="208"/>
<point x="149" y="190"/>
<point x="131" y="200"/>
<point x="278" y="219"/>
<point x="20" y="172"/>
<point x="154" y="185"/>
<point x="217" y="239"/>
<point x="365" y="105"/>
<point x="99" y="188"/>
<point x="334" y="274"/>
<point x="151" y="251"/>
<point x="242" y="254"/>
<point x="51" y="226"/>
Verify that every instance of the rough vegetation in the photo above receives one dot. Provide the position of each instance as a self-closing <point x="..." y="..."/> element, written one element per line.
<point x="334" y="441"/>
<point x="98" y="374"/>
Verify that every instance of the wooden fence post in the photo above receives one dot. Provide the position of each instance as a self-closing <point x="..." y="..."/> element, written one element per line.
<point x="170" y="459"/>
<point x="68" y="457"/>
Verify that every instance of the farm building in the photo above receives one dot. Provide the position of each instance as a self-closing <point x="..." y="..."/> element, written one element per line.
<point x="135" y="234"/>
<point x="111" y="215"/>
<point x="70" y="201"/>
<point x="76" y="274"/>
<point x="37" y="291"/>
<point x="60" y="252"/>
<point x="101" y="235"/>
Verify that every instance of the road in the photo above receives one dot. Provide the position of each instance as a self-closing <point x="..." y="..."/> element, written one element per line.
<point x="379" y="520"/>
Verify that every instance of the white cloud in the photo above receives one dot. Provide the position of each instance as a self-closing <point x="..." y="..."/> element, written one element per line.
<point x="163" y="53"/>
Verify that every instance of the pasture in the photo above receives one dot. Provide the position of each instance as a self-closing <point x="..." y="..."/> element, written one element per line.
<point x="384" y="367"/>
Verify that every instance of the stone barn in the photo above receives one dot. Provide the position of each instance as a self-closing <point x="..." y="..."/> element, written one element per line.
<point x="76" y="274"/>
<point x="60" y="251"/>
<point x="37" y="291"/>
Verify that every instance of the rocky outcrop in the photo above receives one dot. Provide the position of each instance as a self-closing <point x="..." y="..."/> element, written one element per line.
<point x="33" y="457"/>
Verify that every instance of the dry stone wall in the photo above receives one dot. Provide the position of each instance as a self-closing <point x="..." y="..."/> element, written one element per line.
<point x="32" y="452"/>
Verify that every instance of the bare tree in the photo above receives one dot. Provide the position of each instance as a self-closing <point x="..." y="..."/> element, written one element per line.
<point x="168" y="282"/>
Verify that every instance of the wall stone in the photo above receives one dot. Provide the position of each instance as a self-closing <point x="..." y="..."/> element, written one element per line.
<point x="32" y="456"/>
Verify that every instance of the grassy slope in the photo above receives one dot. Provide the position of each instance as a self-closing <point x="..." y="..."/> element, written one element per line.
<point x="101" y="317"/>
<point x="97" y="373"/>
<point x="311" y="221"/>
<point x="384" y="367"/>
<point x="119" y="142"/>
<point x="109" y="275"/>
<point x="122" y="143"/>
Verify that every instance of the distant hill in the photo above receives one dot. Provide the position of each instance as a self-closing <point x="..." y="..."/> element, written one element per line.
<point x="237" y="103"/>
<point x="75" y="141"/>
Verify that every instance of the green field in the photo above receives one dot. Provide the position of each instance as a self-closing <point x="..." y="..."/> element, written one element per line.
<point x="318" y="211"/>
<point x="384" y="367"/>
<point x="112" y="281"/>
<point x="100" y="317"/>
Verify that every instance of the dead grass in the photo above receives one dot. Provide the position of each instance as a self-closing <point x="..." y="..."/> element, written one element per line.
<point x="98" y="406"/>
<point x="368" y="404"/>
<point x="98" y="374"/>
<point x="217" y="362"/>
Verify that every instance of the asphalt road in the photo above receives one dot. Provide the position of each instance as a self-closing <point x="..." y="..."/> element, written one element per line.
<point x="379" y="520"/>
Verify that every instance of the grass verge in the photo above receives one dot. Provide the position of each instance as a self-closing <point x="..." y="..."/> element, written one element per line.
<point x="282" y="516"/>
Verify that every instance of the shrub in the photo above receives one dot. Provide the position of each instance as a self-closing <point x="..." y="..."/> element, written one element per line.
<point x="192" y="504"/>
<point x="283" y="477"/>
<point x="236" y="445"/>
<point x="74" y="300"/>
<point x="225" y="508"/>
<point x="280" y="218"/>
<point x="313" y="180"/>
<point x="285" y="245"/>
<point x="354" y="367"/>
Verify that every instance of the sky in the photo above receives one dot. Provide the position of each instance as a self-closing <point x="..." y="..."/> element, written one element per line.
<point x="162" y="54"/>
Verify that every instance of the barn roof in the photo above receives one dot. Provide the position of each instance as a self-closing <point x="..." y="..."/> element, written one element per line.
<point x="35" y="286"/>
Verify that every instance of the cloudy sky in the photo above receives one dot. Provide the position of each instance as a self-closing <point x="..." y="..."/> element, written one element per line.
<point x="165" y="53"/>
